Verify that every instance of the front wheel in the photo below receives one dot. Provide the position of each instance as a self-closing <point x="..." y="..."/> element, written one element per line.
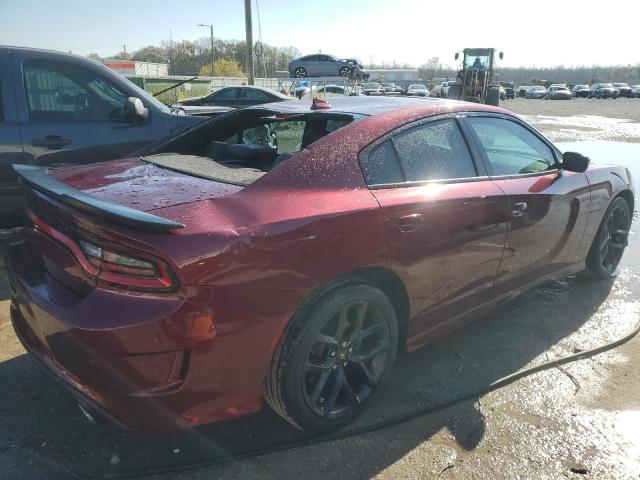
<point x="610" y="241"/>
<point x="333" y="357"/>
<point x="300" y="72"/>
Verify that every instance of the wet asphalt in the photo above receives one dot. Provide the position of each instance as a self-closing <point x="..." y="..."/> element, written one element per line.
<point x="581" y="421"/>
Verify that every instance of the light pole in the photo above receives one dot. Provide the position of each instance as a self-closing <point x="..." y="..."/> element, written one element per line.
<point x="211" y="30"/>
<point x="249" y="39"/>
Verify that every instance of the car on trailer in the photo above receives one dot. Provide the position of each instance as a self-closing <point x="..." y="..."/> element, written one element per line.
<point x="286" y="254"/>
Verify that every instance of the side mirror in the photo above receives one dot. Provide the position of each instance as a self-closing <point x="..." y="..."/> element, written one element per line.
<point x="501" y="55"/>
<point x="457" y="55"/>
<point x="135" y="110"/>
<point x="575" y="162"/>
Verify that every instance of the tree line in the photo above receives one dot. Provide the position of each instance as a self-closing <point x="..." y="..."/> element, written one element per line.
<point x="433" y="69"/>
<point x="187" y="57"/>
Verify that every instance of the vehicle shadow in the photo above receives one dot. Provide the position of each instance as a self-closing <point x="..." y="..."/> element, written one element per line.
<point x="37" y="411"/>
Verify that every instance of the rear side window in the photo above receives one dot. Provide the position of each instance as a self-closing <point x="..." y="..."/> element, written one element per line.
<point x="381" y="166"/>
<point x="66" y="92"/>
<point x="251" y="94"/>
<point x="434" y="151"/>
<point x="510" y="148"/>
<point x="226" y="94"/>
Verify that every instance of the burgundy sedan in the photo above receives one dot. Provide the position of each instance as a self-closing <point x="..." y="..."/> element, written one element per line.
<point x="287" y="253"/>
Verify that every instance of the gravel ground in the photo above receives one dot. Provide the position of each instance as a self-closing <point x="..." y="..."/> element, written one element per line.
<point x="582" y="119"/>
<point x="582" y="422"/>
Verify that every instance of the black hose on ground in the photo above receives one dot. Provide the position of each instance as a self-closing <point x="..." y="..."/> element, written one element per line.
<point x="502" y="382"/>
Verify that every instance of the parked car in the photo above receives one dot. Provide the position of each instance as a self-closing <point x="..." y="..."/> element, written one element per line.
<point x="522" y="90"/>
<point x="417" y="90"/>
<point x="326" y="91"/>
<point x="236" y="97"/>
<point x="503" y="92"/>
<point x="537" y="91"/>
<point x="603" y="90"/>
<point x="372" y="88"/>
<point x="635" y="91"/>
<point x="559" y="92"/>
<point x="57" y="108"/>
<point x="389" y="88"/>
<point x="321" y="65"/>
<point x="509" y="90"/>
<point x="624" y="90"/>
<point x="289" y="253"/>
<point x="580" y="91"/>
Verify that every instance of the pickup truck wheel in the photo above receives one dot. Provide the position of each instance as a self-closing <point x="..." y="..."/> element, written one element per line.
<point x="332" y="357"/>
<point x="300" y="72"/>
<point x="610" y="241"/>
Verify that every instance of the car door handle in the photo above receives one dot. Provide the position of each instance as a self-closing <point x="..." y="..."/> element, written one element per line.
<point x="52" y="142"/>
<point x="410" y="223"/>
<point x="518" y="209"/>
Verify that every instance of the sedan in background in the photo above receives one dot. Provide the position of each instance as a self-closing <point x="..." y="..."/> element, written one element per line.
<point x="236" y="97"/>
<point x="624" y="90"/>
<point x="522" y="90"/>
<point x="372" y="88"/>
<point x="537" y="91"/>
<point x="580" y="91"/>
<point x="603" y="90"/>
<point x="284" y="255"/>
<point x="417" y="90"/>
<point x="322" y="65"/>
<point x="559" y="92"/>
<point x="390" y="88"/>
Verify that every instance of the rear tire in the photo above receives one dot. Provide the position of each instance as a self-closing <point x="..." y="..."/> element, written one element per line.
<point x="333" y="355"/>
<point x="610" y="241"/>
<point x="493" y="96"/>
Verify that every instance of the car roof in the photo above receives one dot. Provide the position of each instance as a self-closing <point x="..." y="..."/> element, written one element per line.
<point x="366" y="105"/>
<point x="270" y="91"/>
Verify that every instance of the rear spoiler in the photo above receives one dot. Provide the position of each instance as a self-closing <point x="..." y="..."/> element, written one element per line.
<point x="39" y="179"/>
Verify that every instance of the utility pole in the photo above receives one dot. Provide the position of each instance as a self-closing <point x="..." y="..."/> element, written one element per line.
<point x="249" y="39"/>
<point x="124" y="51"/>
<point x="212" y="54"/>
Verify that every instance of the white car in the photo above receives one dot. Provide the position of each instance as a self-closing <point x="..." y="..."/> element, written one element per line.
<point x="372" y="89"/>
<point x="417" y="90"/>
<point x="325" y="91"/>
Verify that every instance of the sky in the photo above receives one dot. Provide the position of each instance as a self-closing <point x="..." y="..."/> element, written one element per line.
<point x="405" y="31"/>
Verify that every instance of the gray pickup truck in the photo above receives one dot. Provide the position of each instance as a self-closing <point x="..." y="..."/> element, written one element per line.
<point x="60" y="109"/>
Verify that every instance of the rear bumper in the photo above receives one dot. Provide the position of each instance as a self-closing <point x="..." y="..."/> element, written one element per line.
<point x="148" y="362"/>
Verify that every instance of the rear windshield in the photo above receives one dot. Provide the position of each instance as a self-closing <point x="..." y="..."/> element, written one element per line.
<point x="241" y="147"/>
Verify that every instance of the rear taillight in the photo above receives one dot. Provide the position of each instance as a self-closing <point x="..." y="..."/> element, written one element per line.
<point x="117" y="267"/>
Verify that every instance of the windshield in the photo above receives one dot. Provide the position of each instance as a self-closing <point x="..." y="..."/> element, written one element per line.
<point x="417" y="86"/>
<point x="606" y="85"/>
<point x="476" y="61"/>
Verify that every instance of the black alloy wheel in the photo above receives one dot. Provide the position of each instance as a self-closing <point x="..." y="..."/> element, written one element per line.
<point x="300" y="72"/>
<point x="333" y="357"/>
<point x="347" y="360"/>
<point x="610" y="241"/>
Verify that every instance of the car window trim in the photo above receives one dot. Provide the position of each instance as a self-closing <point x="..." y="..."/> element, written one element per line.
<point x="555" y="152"/>
<point x="479" y="166"/>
